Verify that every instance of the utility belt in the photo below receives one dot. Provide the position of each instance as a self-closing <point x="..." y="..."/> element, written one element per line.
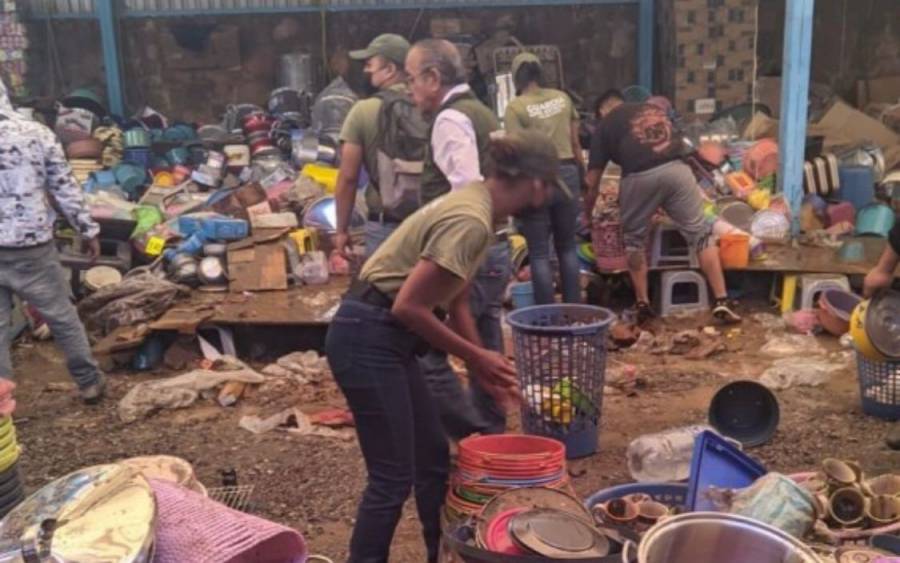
<point x="385" y="218"/>
<point x="366" y="292"/>
<point x="369" y="294"/>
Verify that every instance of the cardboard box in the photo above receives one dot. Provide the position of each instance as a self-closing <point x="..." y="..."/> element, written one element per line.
<point x="258" y="263"/>
<point x="884" y="90"/>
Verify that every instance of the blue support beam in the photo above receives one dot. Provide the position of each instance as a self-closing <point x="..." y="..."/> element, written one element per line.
<point x="798" y="28"/>
<point x="645" y="44"/>
<point x="106" y="14"/>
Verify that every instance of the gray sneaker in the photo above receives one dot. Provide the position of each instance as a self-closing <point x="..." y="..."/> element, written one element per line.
<point x="93" y="394"/>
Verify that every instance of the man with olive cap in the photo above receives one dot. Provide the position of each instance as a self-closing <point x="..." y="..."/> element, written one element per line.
<point x="363" y="136"/>
<point x="549" y="111"/>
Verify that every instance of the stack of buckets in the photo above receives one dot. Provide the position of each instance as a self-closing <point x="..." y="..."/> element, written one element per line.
<point x="12" y="491"/>
<point x="490" y="465"/>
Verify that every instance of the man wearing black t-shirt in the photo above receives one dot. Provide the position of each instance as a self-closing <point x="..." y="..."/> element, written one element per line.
<point x="640" y="138"/>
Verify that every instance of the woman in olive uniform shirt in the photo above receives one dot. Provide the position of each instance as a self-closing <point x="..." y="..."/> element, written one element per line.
<point x="421" y="271"/>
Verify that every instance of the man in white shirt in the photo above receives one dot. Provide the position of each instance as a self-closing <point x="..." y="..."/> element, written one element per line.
<point x="455" y="157"/>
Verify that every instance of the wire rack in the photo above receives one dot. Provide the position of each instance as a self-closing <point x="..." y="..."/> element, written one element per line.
<point x="238" y="497"/>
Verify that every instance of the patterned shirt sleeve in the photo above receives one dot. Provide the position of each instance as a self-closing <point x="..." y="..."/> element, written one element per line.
<point x="65" y="189"/>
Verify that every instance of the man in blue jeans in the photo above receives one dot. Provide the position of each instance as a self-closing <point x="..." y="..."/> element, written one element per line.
<point x="33" y="168"/>
<point x="456" y="155"/>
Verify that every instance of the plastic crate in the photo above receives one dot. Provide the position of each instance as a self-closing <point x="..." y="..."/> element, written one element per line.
<point x="670" y="494"/>
<point x="879" y="387"/>
<point x="560" y="353"/>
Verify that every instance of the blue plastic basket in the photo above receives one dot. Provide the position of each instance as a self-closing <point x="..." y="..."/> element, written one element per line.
<point x="670" y="494"/>
<point x="560" y="355"/>
<point x="879" y="387"/>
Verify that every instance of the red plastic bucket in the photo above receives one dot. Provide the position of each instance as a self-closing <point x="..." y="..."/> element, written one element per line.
<point x="512" y="448"/>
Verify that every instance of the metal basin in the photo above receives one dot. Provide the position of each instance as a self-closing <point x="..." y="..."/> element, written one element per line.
<point x="710" y="537"/>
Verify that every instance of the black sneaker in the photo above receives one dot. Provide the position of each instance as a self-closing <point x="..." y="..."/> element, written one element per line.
<point x="724" y="312"/>
<point x="644" y="312"/>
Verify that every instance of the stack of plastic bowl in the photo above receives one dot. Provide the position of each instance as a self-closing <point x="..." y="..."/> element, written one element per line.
<point x="490" y="465"/>
<point x="12" y="492"/>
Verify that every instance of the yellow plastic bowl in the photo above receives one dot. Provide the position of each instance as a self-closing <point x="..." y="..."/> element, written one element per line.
<point x="7" y="459"/>
<point x="860" y="336"/>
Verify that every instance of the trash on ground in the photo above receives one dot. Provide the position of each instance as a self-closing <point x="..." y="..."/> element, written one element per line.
<point x="809" y="371"/>
<point x="292" y="420"/>
<point x="182" y="390"/>
<point x="788" y="345"/>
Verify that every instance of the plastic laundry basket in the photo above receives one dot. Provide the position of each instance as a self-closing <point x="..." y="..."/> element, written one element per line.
<point x="879" y="387"/>
<point x="560" y="355"/>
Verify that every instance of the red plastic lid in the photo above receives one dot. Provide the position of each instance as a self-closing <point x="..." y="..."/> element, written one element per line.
<point x="497" y="535"/>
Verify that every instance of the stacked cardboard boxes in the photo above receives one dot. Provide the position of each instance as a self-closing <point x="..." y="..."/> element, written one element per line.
<point x="707" y="51"/>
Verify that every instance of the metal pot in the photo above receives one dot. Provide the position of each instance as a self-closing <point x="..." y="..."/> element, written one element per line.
<point x="216" y="249"/>
<point x="211" y="271"/>
<point x="711" y="537"/>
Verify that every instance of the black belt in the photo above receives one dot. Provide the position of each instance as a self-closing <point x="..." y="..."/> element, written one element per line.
<point x="368" y="293"/>
<point x="371" y="295"/>
<point x="384" y="218"/>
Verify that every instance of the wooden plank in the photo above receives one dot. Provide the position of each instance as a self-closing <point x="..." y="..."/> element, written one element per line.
<point x="305" y="306"/>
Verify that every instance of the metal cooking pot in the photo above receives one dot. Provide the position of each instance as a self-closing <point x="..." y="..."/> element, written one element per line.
<point x="100" y="513"/>
<point x="322" y="215"/>
<point x="712" y="537"/>
<point x="211" y="271"/>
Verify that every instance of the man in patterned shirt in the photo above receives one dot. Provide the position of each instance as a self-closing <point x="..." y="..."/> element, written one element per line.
<point x="34" y="169"/>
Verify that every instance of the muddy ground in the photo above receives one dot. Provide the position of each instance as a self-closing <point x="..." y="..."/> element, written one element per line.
<point x="313" y="483"/>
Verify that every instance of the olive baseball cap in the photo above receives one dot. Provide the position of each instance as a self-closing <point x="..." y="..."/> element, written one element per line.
<point x="523" y="58"/>
<point x="389" y="45"/>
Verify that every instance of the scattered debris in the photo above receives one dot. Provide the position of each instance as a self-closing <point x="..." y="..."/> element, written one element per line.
<point x="333" y="418"/>
<point x="136" y="299"/>
<point x="181" y="391"/>
<point x="768" y="321"/>
<point x="788" y="345"/>
<point x="804" y="370"/>
<point x="302" y="367"/>
<point x="292" y="420"/>
<point x="803" y="321"/>
<point x="624" y="335"/>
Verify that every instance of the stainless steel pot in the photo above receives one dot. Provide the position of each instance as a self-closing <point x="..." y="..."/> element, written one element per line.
<point x="712" y="537"/>
<point x="211" y="271"/>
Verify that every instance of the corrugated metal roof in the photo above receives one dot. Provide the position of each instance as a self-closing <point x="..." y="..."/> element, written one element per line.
<point x="169" y="8"/>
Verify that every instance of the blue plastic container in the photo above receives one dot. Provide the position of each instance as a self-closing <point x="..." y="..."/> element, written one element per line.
<point x="875" y="219"/>
<point x="193" y="222"/>
<point x="670" y="494"/>
<point x="716" y="463"/>
<point x="225" y="228"/>
<point x="857" y="185"/>
<point x="560" y="352"/>
<point x="138" y="156"/>
<point x="522" y="294"/>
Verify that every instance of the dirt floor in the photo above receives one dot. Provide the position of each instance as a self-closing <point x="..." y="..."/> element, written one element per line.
<point x="313" y="483"/>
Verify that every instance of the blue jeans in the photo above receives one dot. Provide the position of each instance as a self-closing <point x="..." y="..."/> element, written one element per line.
<point x="372" y="357"/>
<point x="36" y="276"/>
<point x="377" y="233"/>
<point x="558" y="218"/>
<point x="465" y="413"/>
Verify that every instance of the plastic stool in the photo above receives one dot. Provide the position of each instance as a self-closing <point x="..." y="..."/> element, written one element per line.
<point x="113" y="253"/>
<point x="670" y="249"/>
<point x="672" y="279"/>
<point x="811" y="285"/>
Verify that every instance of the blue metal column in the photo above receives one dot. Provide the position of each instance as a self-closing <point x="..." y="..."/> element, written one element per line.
<point x="798" y="27"/>
<point x="645" y="44"/>
<point x="106" y="14"/>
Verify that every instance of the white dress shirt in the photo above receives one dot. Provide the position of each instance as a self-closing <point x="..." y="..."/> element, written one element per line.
<point x="454" y="145"/>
